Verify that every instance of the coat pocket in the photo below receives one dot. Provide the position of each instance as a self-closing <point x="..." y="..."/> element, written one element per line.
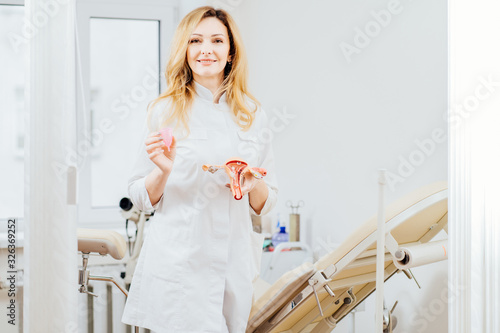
<point x="191" y="149"/>
<point x="195" y="134"/>
<point x="167" y="252"/>
<point x="249" y="148"/>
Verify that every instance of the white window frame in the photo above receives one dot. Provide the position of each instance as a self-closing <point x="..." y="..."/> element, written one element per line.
<point x="164" y="11"/>
<point x="12" y="2"/>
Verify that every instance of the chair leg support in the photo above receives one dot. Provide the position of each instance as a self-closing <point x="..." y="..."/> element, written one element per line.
<point x="109" y="279"/>
<point x="85" y="277"/>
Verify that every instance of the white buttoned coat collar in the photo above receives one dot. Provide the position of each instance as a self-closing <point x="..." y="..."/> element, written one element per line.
<point x="206" y="94"/>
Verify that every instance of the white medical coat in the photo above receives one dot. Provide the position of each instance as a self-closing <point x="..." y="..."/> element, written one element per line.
<point x="200" y="254"/>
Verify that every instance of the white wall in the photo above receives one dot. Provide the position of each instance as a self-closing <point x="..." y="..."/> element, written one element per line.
<point x="352" y="118"/>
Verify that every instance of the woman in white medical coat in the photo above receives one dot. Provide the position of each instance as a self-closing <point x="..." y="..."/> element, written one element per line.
<point x="200" y="254"/>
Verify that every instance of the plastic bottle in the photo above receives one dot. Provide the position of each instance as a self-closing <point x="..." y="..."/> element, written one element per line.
<point x="277" y="229"/>
<point x="280" y="237"/>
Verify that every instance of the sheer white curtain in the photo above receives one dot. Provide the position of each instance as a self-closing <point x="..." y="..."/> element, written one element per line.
<point x="50" y="297"/>
<point x="474" y="127"/>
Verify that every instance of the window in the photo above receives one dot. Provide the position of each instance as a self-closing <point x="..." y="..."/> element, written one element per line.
<point x="121" y="49"/>
<point x="123" y="79"/>
<point x="12" y="55"/>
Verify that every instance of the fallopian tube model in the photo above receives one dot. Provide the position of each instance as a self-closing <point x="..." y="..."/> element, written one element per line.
<point x="236" y="168"/>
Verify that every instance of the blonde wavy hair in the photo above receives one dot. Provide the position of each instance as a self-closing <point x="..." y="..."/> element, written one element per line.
<point x="180" y="90"/>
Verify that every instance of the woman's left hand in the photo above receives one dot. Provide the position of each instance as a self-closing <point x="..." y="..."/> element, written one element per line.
<point x="256" y="189"/>
<point x="248" y="183"/>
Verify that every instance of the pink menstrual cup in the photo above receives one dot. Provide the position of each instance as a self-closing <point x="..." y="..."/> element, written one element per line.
<point x="166" y="134"/>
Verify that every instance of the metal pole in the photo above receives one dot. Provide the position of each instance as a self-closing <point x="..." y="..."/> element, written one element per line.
<point x="379" y="300"/>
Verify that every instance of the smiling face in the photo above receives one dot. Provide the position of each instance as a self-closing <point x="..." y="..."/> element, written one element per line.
<point x="208" y="50"/>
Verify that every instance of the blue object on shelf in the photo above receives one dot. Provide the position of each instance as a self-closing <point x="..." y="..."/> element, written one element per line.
<point x="280" y="237"/>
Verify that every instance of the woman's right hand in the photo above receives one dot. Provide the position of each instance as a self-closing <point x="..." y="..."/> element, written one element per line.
<point x="158" y="152"/>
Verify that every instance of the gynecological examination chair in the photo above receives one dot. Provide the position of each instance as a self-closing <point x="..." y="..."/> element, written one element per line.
<point x="315" y="297"/>
<point x="99" y="242"/>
